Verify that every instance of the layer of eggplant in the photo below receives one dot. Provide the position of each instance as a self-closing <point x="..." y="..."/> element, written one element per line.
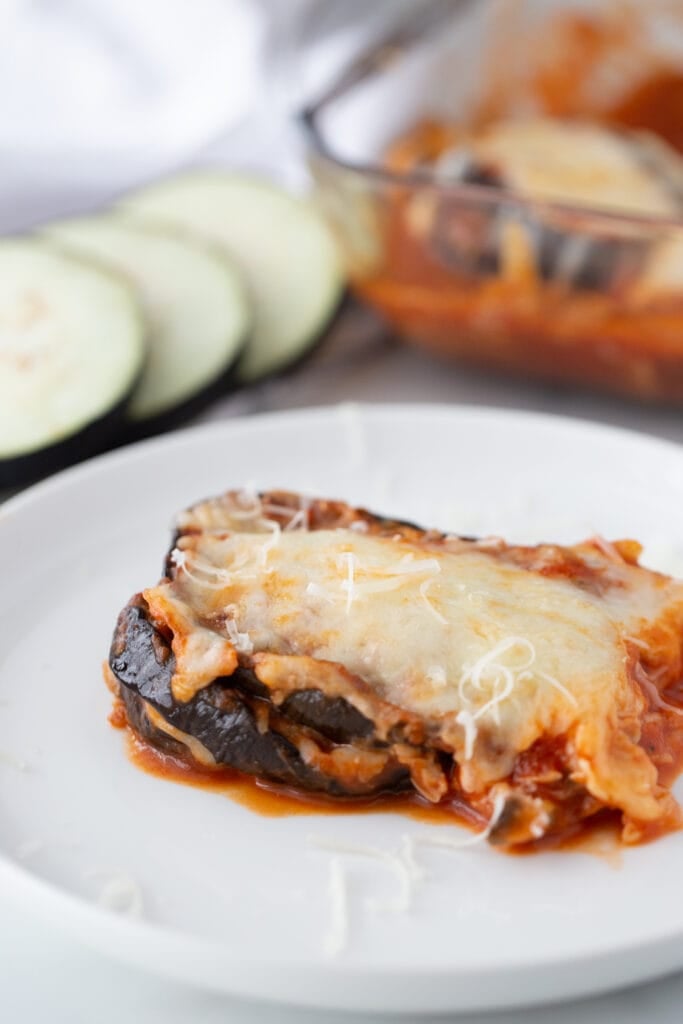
<point x="313" y="742"/>
<point x="239" y="727"/>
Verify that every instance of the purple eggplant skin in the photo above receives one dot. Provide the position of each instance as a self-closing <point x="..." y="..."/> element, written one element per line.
<point x="222" y="716"/>
<point x="234" y="716"/>
<point x="115" y="428"/>
<point x="331" y="717"/>
<point x="96" y="437"/>
<point x="227" y="385"/>
<point x="223" y="386"/>
<point x="345" y="303"/>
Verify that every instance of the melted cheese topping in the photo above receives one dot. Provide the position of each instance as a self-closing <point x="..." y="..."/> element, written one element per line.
<point x="487" y="647"/>
<point x="358" y="600"/>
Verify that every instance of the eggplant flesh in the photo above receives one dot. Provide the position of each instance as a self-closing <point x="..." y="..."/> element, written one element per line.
<point x="72" y="350"/>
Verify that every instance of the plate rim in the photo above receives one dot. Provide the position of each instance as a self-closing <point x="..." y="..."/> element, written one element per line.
<point x="77" y="914"/>
<point x="137" y="449"/>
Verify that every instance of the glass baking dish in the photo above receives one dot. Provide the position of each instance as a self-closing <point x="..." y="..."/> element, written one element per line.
<point x="563" y="291"/>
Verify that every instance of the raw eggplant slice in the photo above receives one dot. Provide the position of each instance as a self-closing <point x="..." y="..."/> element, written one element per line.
<point x="196" y="308"/>
<point x="72" y="348"/>
<point x="281" y="244"/>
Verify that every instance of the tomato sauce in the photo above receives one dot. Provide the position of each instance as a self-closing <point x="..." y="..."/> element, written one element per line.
<point x="275" y="801"/>
<point x="513" y="318"/>
<point x="599" y="835"/>
<point x="655" y="105"/>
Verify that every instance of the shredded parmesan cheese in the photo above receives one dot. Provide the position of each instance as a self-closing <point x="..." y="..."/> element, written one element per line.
<point x="315" y="590"/>
<point x="403" y="864"/>
<point x="467" y="721"/>
<point x="637" y="642"/>
<point x="214" y="577"/>
<point x="272" y="541"/>
<point x="446" y="843"/>
<point x="382" y="579"/>
<point x="220" y="576"/>
<point x="607" y="549"/>
<point x="436" y="675"/>
<point x="653" y="693"/>
<point x="475" y="674"/>
<point x="488" y="674"/>
<point x="123" y="895"/>
<point x="338" y="932"/>
<point x="424" y="587"/>
<point x="539" y="824"/>
<point x="240" y="641"/>
<point x="246" y="504"/>
<point x="416" y="566"/>
<point x="403" y="867"/>
<point x="407" y="855"/>
<point x="551" y="681"/>
<point x="299" y="521"/>
<point x="349" y="560"/>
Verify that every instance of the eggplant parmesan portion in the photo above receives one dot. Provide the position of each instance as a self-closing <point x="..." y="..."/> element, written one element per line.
<point x="333" y="651"/>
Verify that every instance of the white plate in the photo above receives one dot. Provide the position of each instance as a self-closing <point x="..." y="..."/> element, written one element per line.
<point x="238" y="902"/>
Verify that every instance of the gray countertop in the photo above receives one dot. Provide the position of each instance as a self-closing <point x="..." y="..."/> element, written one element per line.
<point x="361" y="362"/>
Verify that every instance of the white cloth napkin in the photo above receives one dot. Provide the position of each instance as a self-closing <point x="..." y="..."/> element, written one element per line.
<point x="95" y="95"/>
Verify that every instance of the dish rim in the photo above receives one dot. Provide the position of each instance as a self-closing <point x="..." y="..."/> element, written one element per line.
<point x="19" y="882"/>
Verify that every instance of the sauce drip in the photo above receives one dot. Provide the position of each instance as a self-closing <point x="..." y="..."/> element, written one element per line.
<point x="274" y="801"/>
<point x="597" y="837"/>
<point x="603" y="834"/>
